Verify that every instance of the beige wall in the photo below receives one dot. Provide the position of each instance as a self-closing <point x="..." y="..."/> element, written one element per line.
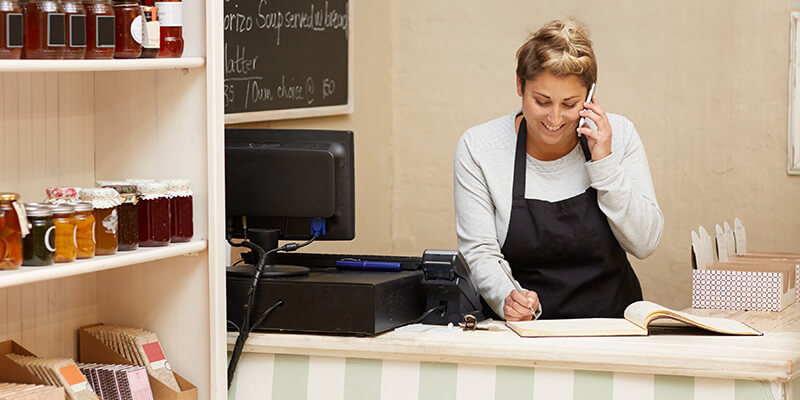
<point x="705" y="83"/>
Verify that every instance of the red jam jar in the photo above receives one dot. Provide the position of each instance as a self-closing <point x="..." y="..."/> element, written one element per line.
<point x="180" y="206"/>
<point x="100" y="23"/>
<point x="128" y="29"/>
<point x="75" y="17"/>
<point x="154" y="214"/>
<point x="15" y="227"/>
<point x="11" y="33"/>
<point x="45" y="29"/>
<point x="170" y="16"/>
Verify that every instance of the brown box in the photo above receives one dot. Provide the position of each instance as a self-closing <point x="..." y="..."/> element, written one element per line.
<point x="94" y="351"/>
<point x="13" y="372"/>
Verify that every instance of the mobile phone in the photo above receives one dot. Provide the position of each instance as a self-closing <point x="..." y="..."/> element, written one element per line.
<point x="588" y="99"/>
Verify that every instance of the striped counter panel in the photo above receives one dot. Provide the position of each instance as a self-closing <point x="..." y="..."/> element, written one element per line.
<point x="292" y="377"/>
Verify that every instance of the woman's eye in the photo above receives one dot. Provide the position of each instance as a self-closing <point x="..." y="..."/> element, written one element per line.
<point x="570" y="105"/>
<point x="542" y="103"/>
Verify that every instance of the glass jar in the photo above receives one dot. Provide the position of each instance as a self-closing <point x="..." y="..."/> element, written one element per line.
<point x="45" y="29"/>
<point x="62" y="194"/>
<point x="170" y="16"/>
<point x="75" y="17"/>
<point x="38" y="248"/>
<point x="66" y="233"/>
<point x="105" y="202"/>
<point x="85" y="226"/>
<point x="128" y="28"/>
<point x="180" y="207"/>
<point x="100" y="22"/>
<point x="11" y="33"/>
<point x="154" y="214"/>
<point x="151" y="30"/>
<point x="14" y="229"/>
<point x="128" y="215"/>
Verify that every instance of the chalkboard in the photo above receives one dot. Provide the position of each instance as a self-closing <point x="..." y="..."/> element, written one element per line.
<point x="287" y="59"/>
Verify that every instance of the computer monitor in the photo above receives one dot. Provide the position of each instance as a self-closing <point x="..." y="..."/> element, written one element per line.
<point x="296" y="183"/>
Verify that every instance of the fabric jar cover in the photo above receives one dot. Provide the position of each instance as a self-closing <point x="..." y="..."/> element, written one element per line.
<point x="151" y="190"/>
<point x="62" y="194"/>
<point x="126" y="190"/>
<point x="177" y="187"/>
<point x="101" y="197"/>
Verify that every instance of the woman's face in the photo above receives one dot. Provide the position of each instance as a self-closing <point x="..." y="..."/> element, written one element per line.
<point x="551" y="105"/>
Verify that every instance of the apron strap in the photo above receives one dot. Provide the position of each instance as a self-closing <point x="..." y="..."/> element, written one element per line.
<point x="520" y="162"/>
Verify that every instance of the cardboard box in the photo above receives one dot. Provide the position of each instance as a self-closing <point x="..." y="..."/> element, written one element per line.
<point x="94" y="351"/>
<point x="13" y="372"/>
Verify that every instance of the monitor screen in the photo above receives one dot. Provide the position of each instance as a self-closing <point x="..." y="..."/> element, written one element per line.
<point x="294" y="181"/>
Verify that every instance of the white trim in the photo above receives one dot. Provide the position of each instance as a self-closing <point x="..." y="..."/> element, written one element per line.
<point x="793" y="161"/>
<point x="100" y="65"/>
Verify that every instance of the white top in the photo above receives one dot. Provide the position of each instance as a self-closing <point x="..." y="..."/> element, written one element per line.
<point x="484" y="174"/>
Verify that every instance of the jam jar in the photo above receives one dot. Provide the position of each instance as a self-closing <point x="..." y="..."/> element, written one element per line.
<point x="105" y="202"/>
<point x="128" y="214"/>
<point x="75" y="18"/>
<point x="154" y="220"/>
<point x="45" y="29"/>
<point x="39" y="247"/>
<point x="66" y="233"/>
<point x="12" y="232"/>
<point x="151" y="30"/>
<point x="180" y="207"/>
<point x="128" y="28"/>
<point x="85" y="226"/>
<point x="62" y="194"/>
<point x="11" y="32"/>
<point x="100" y="22"/>
<point x="170" y="16"/>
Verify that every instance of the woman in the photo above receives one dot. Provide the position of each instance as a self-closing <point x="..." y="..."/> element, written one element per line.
<point x="559" y="210"/>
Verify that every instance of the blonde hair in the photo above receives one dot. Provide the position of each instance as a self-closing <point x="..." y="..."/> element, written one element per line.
<point x="561" y="47"/>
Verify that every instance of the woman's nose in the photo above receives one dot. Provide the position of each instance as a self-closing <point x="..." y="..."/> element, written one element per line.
<point x="555" y="117"/>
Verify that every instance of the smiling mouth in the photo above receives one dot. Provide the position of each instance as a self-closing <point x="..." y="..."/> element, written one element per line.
<point x="553" y="128"/>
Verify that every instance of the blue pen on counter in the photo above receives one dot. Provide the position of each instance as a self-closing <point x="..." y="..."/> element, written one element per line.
<point x="366" y="265"/>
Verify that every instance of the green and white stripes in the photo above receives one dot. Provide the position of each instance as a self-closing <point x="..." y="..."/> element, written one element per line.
<point x="290" y="377"/>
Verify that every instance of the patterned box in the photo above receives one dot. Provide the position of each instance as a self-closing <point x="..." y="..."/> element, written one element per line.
<point x="740" y="290"/>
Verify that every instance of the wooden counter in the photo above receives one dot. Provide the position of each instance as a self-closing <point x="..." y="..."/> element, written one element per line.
<point x="772" y="360"/>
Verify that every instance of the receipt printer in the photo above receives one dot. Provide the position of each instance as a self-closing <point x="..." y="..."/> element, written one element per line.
<point x="448" y="288"/>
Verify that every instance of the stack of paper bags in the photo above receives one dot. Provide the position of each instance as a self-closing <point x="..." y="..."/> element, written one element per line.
<point x="140" y="347"/>
<point x="24" y="391"/>
<point x="57" y="372"/>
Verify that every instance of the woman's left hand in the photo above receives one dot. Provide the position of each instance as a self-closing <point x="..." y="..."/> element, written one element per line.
<point x="599" y="140"/>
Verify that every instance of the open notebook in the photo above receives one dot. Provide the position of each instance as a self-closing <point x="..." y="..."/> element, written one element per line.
<point x="638" y="317"/>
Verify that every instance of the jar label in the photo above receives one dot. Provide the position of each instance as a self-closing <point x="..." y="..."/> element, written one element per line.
<point x="152" y="35"/>
<point x="170" y="13"/>
<point x="136" y="29"/>
<point x="50" y="239"/>
<point x="14" y="30"/>
<point x="111" y="222"/>
<point x="22" y="218"/>
<point x="56" y="30"/>
<point x="104" y="27"/>
<point x="77" y="30"/>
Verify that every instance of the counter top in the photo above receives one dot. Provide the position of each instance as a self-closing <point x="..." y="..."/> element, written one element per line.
<point x="772" y="357"/>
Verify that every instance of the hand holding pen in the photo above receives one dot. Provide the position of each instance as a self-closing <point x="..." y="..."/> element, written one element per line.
<point x="520" y="304"/>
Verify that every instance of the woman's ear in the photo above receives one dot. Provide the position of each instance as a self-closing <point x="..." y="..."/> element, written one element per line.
<point x="519" y="86"/>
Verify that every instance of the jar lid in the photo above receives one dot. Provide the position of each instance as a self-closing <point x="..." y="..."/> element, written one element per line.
<point x="83" y="206"/>
<point x="104" y="183"/>
<point x="63" y="208"/>
<point x="152" y="190"/>
<point x="139" y="180"/>
<point x="101" y="197"/>
<point x="177" y="187"/>
<point x="120" y="186"/>
<point x="38" y="209"/>
<point x="7" y="196"/>
<point x="64" y="193"/>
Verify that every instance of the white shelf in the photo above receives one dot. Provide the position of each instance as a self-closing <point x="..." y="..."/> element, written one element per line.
<point x="26" y="275"/>
<point x="100" y="65"/>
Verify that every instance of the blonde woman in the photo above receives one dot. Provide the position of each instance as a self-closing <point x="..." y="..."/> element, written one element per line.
<point x="561" y="210"/>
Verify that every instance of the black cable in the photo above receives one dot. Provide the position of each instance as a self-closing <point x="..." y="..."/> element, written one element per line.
<point x="429" y="312"/>
<point x="237" y="263"/>
<point x="234" y="325"/>
<point x="246" y="328"/>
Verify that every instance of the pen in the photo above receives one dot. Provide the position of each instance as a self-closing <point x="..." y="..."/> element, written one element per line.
<point x="514" y="282"/>
<point x="588" y="99"/>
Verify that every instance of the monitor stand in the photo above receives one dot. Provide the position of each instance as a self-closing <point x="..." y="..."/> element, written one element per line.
<point x="267" y="239"/>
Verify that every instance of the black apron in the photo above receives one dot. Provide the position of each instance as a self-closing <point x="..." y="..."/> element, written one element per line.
<point x="565" y="250"/>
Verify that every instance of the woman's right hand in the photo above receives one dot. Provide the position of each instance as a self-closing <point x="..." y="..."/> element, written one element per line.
<point x="518" y="305"/>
